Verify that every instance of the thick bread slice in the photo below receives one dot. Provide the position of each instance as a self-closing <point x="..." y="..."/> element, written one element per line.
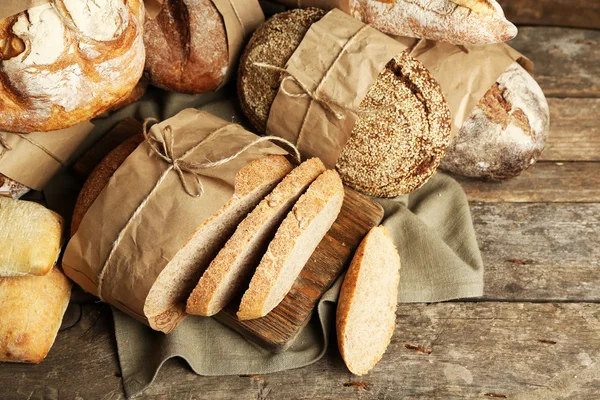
<point x="233" y="266"/>
<point x="295" y="241"/>
<point x="179" y="277"/>
<point x="366" y="311"/>
<point x="31" y="311"/>
<point x="30" y="238"/>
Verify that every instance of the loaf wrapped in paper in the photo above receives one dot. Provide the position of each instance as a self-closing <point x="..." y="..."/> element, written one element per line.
<point x="167" y="210"/>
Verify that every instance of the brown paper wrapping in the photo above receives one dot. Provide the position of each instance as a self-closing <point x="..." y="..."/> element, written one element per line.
<point x="12" y="7"/>
<point x="168" y="219"/>
<point x="36" y="157"/>
<point x="342" y="56"/>
<point x="241" y="18"/>
<point x="465" y="73"/>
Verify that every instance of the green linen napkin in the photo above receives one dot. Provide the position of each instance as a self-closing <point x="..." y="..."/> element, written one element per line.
<point x="433" y="231"/>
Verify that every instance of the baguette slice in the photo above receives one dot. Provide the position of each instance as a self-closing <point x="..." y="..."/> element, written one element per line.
<point x="231" y="269"/>
<point x="366" y="311"/>
<point x="30" y="238"/>
<point x="31" y="311"/>
<point x="295" y="241"/>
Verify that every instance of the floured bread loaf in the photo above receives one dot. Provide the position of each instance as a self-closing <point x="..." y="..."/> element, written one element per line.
<point x="366" y="311"/>
<point x="66" y="61"/>
<point x="186" y="46"/>
<point x="296" y="239"/>
<point x="505" y="133"/>
<point x="393" y="150"/>
<point x="31" y="311"/>
<point x="30" y="238"/>
<point x="11" y="188"/>
<point x="231" y="269"/>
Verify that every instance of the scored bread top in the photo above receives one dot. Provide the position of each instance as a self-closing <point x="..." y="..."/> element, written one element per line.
<point x="393" y="150"/>
<point x="30" y="238"/>
<point x="366" y="311"/>
<point x="236" y="260"/>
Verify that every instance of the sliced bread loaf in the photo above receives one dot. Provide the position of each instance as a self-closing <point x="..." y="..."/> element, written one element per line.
<point x="230" y="270"/>
<point x="30" y="238"/>
<point x="295" y="240"/>
<point x="366" y="311"/>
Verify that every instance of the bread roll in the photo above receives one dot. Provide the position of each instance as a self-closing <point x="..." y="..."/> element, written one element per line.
<point x="11" y="188"/>
<point x="30" y="238"/>
<point x="391" y="151"/>
<point x="295" y="240"/>
<point x="66" y="61"/>
<point x="505" y="133"/>
<point x="366" y="311"/>
<point x="31" y="311"/>
<point x="186" y="47"/>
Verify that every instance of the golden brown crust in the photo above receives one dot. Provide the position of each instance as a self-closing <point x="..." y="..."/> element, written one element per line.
<point x="186" y="47"/>
<point x="84" y="81"/>
<point x="31" y="311"/>
<point x="99" y="178"/>
<point x="381" y="159"/>
<point x="138" y="91"/>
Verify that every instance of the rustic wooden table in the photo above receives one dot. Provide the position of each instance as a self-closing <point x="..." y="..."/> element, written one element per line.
<point x="534" y="335"/>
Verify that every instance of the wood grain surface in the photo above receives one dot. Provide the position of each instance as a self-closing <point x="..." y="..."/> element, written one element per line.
<point x="278" y="329"/>
<point x="565" y="13"/>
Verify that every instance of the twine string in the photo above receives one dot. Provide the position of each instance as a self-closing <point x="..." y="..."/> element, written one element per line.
<point x="164" y="149"/>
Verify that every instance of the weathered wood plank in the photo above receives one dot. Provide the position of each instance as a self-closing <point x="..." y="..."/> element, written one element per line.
<point x="574" y="130"/>
<point x="539" y="251"/>
<point x="567" y="60"/>
<point x="543" y="182"/>
<point x="448" y="350"/>
<point x="570" y="13"/>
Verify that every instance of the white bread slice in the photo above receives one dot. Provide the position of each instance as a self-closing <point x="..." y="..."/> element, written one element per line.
<point x="366" y="311"/>
<point x="231" y="269"/>
<point x="169" y="293"/>
<point x="31" y="311"/>
<point x="30" y="238"/>
<point x="295" y="241"/>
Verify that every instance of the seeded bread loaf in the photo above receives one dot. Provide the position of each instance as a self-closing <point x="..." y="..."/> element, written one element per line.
<point x="295" y="240"/>
<point x="505" y="133"/>
<point x="66" y="61"/>
<point x="391" y="151"/>
<point x="186" y="46"/>
<point x="231" y="269"/>
<point x="31" y="311"/>
<point x="366" y="311"/>
<point x="30" y="238"/>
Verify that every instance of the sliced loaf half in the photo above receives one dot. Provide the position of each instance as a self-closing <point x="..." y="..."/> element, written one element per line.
<point x="296" y="239"/>
<point x="366" y="311"/>
<point x="230" y="271"/>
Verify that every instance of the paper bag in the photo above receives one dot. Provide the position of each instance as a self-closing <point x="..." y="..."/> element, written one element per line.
<point x="337" y="61"/>
<point x="147" y="215"/>
<point x="34" y="158"/>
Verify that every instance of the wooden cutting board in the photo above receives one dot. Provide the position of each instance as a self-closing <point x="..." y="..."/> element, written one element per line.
<point x="278" y="329"/>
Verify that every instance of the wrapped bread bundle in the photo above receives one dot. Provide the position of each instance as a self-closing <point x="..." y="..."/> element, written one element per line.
<point x="193" y="45"/>
<point x="348" y="94"/>
<point x="166" y="207"/>
<point x="500" y="116"/>
<point x="453" y="21"/>
<point x="65" y="61"/>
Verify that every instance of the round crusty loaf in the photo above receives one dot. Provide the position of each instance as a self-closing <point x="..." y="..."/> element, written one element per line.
<point x="66" y="61"/>
<point x="100" y="176"/>
<point x="391" y="151"/>
<point x="505" y="133"/>
<point x="186" y="47"/>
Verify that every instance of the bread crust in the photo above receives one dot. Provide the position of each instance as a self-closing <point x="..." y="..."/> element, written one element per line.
<point x="31" y="311"/>
<point x="11" y="188"/>
<point x="66" y="69"/>
<point x="186" y="47"/>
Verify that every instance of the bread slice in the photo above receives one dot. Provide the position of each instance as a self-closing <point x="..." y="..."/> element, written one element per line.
<point x="30" y="238"/>
<point x="366" y="311"/>
<point x="296" y="239"/>
<point x="170" y="291"/>
<point x="31" y="311"/>
<point x="233" y="266"/>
